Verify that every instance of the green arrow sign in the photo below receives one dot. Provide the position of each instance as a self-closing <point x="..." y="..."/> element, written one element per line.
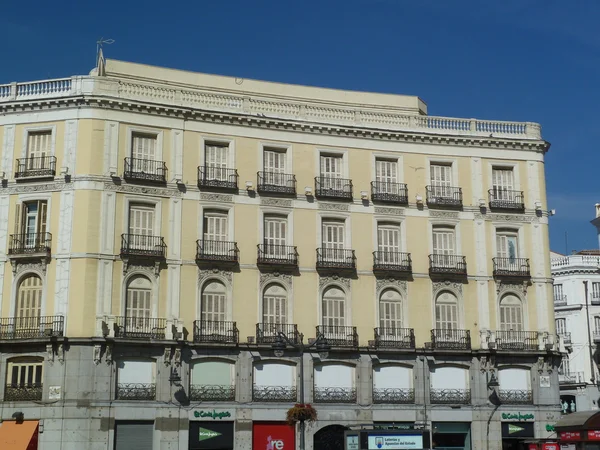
<point x="514" y="428"/>
<point x="204" y="434"/>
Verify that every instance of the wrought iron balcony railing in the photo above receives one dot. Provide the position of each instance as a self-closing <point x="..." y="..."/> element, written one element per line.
<point x="506" y="199"/>
<point x="137" y="169"/>
<point x="336" y="258"/>
<point x="217" y="251"/>
<point x="338" y="335"/>
<point x="217" y="177"/>
<point x="445" y="339"/>
<point x="560" y="300"/>
<point x="140" y="327"/>
<point x="267" y="333"/>
<point x="393" y="395"/>
<point x="13" y="328"/>
<point x="515" y="396"/>
<point x="23" y="392"/>
<point x="36" y="167"/>
<point x="29" y="244"/>
<point x="274" y="393"/>
<point x="215" y="332"/>
<point x="143" y="246"/>
<point x="384" y="191"/>
<point x="384" y="261"/>
<point x="444" y="196"/>
<point x="334" y="395"/>
<point x="277" y="255"/>
<point x="517" y="340"/>
<point x="394" y="337"/>
<point x="331" y="187"/>
<point x="566" y="337"/>
<point x="450" y="396"/>
<point x="136" y="391"/>
<point x="447" y="264"/>
<point x="511" y="267"/>
<point x="212" y="393"/>
<point x="276" y="183"/>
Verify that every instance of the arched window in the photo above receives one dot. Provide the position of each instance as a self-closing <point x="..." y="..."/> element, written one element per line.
<point x="334" y="307"/>
<point x="274" y="304"/>
<point x="390" y="310"/>
<point x="511" y="313"/>
<point x="213" y="307"/>
<point x="212" y="381"/>
<point x="446" y="311"/>
<point x="29" y="297"/>
<point x="138" y="303"/>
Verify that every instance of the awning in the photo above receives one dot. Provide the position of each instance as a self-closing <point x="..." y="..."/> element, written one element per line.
<point x="581" y="420"/>
<point x="18" y="436"/>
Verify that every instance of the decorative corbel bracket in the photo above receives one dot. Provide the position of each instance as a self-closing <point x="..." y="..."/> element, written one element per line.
<point x="177" y="358"/>
<point x="61" y="353"/>
<point x="50" y="353"/>
<point x="97" y="354"/>
<point x="167" y="356"/>
<point x="108" y="355"/>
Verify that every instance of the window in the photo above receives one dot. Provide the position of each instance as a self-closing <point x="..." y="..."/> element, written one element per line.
<point x="138" y="304"/>
<point x="333" y="232"/>
<point x="334" y="307"/>
<point x="212" y="381"/>
<point x="449" y="385"/>
<point x="30" y="222"/>
<point x="511" y="313"/>
<point x="597" y="324"/>
<point x="446" y="311"/>
<point x="213" y="307"/>
<point x="331" y="172"/>
<point x="392" y="384"/>
<point x="24" y="379"/>
<point x="39" y="144"/>
<point x="388" y="242"/>
<point x="596" y="291"/>
<point x="334" y="383"/>
<point x="29" y="300"/>
<point x="502" y="183"/>
<point x="443" y="241"/>
<point x="386" y="173"/>
<point x="561" y="326"/>
<point x="136" y="380"/>
<point x="274" y="162"/>
<point x="441" y="180"/>
<point x="216" y="160"/>
<point x="513" y="379"/>
<point x="390" y="310"/>
<point x="275" y="237"/>
<point x="143" y="146"/>
<point x="141" y="220"/>
<point x="558" y="293"/>
<point x="507" y="245"/>
<point x="565" y="366"/>
<point x="215" y="226"/>
<point x="274" y="382"/>
<point x="274" y="305"/>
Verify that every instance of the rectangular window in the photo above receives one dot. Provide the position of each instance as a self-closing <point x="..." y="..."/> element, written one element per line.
<point x="275" y="237"/>
<point x="24" y="374"/>
<point x="558" y="293"/>
<point x="441" y="179"/>
<point x="141" y="220"/>
<point x="30" y="221"/>
<point x="507" y="246"/>
<point x="274" y="160"/>
<point x="561" y="326"/>
<point x="390" y="315"/>
<point x="39" y="144"/>
<point x="334" y="311"/>
<point x="139" y="304"/>
<point x="511" y="317"/>
<point x="333" y="240"/>
<point x="216" y="160"/>
<point x="274" y="307"/>
<point x="502" y="183"/>
<point x="143" y="146"/>
<point x="597" y="324"/>
<point x="216" y="226"/>
<point x="388" y="243"/>
<point x="564" y="368"/>
<point x="443" y="241"/>
<point x="331" y="172"/>
<point x="386" y="171"/>
<point x="596" y="291"/>
<point x="213" y="304"/>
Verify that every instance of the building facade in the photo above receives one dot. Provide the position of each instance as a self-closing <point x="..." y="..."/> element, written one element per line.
<point x="161" y="230"/>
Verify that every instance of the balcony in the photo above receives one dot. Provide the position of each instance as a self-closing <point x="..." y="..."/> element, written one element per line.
<point x="267" y="333"/>
<point x="30" y="244"/>
<point x="215" y="332"/>
<point x="571" y="377"/>
<point x="511" y="267"/>
<point x="336" y="258"/>
<point x="143" y="246"/>
<point x="140" y="327"/>
<point x="339" y="336"/>
<point x="212" y="393"/>
<point x="447" y="265"/>
<point x="515" y="396"/>
<point x="333" y="188"/>
<point x="387" y="192"/>
<point x="23" y="392"/>
<point x="560" y="300"/>
<point x="274" y="394"/>
<point x="392" y="262"/>
<point x="277" y="255"/>
<point x="517" y="340"/>
<point x="217" y="251"/>
<point x="450" y="396"/>
<point x="443" y="339"/>
<point x="136" y="391"/>
<point x="393" y="395"/>
<point x="444" y="196"/>
<point x="334" y="395"/>
<point x="506" y="199"/>
<point x="44" y="327"/>
<point x="35" y="167"/>
<point x="276" y="183"/>
<point x="394" y="338"/>
<point x="215" y="177"/>
<point x="566" y="338"/>
<point x="145" y="170"/>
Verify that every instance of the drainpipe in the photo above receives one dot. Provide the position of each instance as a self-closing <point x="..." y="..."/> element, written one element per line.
<point x="587" y="313"/>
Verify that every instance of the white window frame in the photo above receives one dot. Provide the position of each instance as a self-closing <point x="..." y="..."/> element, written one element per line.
<point x="138" y="199"/>
<point x="400" y="223"/>
<point x="347" y="303"/>
<point x="25" y="198"/>
<point x="218" y="140"/>
<point x="332" y="152"/>
<point x="284" y="148"/>
<point x="23" y="362"/>
<point x="459" y="303"/>
<point x="524" y="317"/>
<point x="155" y="290"/>
<point x="452" y="162"/>
<point x="228" y="293"/>
<point x="39" y="129"/>
<point x="289" y="217"/>
<point x="506" y="165"/>
<point x="389" y="157"/>
<point x="334" y="217"/>
<point x="288" y="302"/>
<point x="446" y="224"/>
<point x="15" y="290"/>
<point x="131" y="130"/>
<point x="563" y="322"/>
<point x="225" y="209"/>
<point x="500" y="228"/>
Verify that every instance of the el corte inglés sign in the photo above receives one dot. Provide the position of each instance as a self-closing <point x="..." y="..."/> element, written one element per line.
<point x="214" y="414"/>
<point x="517" y="416"/>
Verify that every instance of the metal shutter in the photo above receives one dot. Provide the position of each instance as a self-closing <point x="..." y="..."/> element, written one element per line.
<point x="133" y="436"/>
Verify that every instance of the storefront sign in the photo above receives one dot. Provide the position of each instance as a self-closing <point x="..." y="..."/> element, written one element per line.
<point x="550" y="446"/>
<point x="211" y="435"/>
<point x="550" y="427"/>
<point x="517" y="416"/>
<point x="273" y="436"/>
<point x="393" y="442"/>
<point x="593" y="435"/>
<point x="352" y="443"/>
<point x="570" y="435"/>
<point x="212" y="414"/>
<point x="517" y="430"/>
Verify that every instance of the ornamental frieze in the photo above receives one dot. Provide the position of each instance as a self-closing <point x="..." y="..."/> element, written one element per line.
<point x="216" y="197"/>
<point x="389" y="211"/>
<point x="276" y="202"/>
<point x="275" y="276"/>
<point x="443" y="214"/>
<point x="323" y="281"/>
<point x="142" y="190"/>
<point x="441" y="285"/>
<point x="401" y="285"/>
<point x="333" y="207"/>
<point x="224" y="274"/>
<point x="502" y="287"/>
<point x="48" y="187"/>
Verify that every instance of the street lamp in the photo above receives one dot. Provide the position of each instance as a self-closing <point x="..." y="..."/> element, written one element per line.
<point x="320" y="345"/>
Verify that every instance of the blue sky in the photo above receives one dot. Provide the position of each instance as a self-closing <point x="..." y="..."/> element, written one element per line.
<point x="526" y="60"/>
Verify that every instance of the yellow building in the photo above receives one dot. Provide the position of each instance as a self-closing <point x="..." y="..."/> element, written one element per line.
<point x="162" y="231"/>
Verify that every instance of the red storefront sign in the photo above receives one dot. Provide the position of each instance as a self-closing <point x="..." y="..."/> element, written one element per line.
<point x="593" y="435"/>
<point x="550" y="446"/>
<point x="570" y="435"/>
<point x="532" y="447"/>
<point x="273" y="436"/>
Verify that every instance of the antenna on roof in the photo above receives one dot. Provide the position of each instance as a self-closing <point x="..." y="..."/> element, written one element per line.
<point x="100" y="62"/>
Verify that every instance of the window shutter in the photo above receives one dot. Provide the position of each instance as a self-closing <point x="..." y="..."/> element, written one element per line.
<point x="275" y="305"/>
<point x="38" y="144"/>
<point x="331" y="171"/>
<point x="386" y="171"/>
<point x="141" y="220"/>
<point x="29" y="302"/>
<point x="42" y="213"/>
<point x="443" y="242"/>
<point x="274" y="161"/>
<point x="502" y="181"/>
<point x="18" y="229"/>
<point x="143" y="147"/>
<point x="216" y="227"/>
<point x="333" y="235"/>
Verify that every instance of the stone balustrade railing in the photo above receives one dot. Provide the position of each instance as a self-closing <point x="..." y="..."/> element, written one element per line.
<point x="575" y="260"/>
<point x="265" y="107"/>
